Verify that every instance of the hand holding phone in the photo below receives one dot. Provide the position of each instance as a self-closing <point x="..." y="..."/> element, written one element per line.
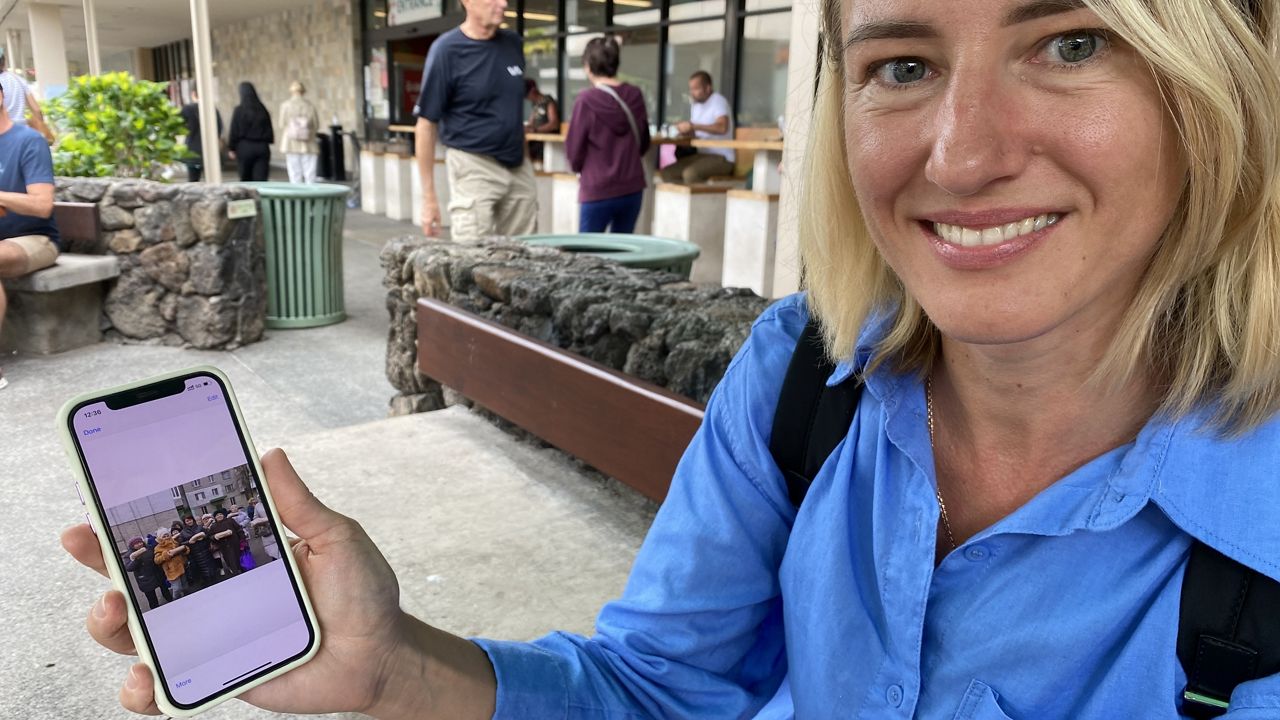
<point x="353" y="590"/>
<point x="159" y="452"/>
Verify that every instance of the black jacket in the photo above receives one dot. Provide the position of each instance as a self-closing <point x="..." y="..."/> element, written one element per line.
<point x="246" y="128"/>
<point x="144" y="569"/>
<point x="201" y="562"/>
<point x="191" y="116"/>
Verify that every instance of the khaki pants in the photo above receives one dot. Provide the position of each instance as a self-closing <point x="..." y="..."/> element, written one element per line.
<point x="694" y="169"/>
<point x="39" y="249"/>
<point x="488" y="198"/>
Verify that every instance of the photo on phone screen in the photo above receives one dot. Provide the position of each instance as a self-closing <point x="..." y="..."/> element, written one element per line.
<point x="192" y="531"/>
<point x="190" y="537"/>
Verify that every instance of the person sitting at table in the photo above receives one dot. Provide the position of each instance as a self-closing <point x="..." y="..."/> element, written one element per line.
<point x="709" y="119"/>
<point x="544" y="119"/>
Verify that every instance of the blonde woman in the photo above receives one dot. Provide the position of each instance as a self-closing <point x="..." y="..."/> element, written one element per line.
<point x="299" y="125"/>
<point x="1045" y="233"/>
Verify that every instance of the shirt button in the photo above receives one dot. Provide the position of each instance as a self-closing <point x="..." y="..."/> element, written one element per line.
<point x="894" y="695"/>
<point x="977" y="553"/>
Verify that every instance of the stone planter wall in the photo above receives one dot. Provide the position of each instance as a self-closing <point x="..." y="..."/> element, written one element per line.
<point x="188" y="274"/>
<point x="645" y="323"/>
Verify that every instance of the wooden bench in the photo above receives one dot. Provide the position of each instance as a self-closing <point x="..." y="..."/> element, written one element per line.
<point x="629" y="429"/>
<point x="59" y="308"/>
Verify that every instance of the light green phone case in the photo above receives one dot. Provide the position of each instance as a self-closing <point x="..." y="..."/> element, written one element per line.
<point x="118" y="579"/>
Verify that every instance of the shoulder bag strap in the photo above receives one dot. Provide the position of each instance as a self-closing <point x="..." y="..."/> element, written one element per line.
<point x="631" y="119"/>
<point x="811" y="418"/>
<point x="1228" y="629"/>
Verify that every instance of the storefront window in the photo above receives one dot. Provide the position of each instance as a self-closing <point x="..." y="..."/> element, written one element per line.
<point x="753" y="5"/>
<point x="762" y="77"/>
<point x="540" y="17"/>
<point x="639" y="65"/>
<point x="690" y="9"/>
<point x="583" y="15"/>
<point x="691" y="47"/>
<point x="375" y="14"/>
<point x="541" y="67"/>
<point x="636" y="12"/>
<point x="575" y="78"/>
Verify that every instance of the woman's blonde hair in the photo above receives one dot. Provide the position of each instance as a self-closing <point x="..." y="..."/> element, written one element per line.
<point x="1207" y="312"/>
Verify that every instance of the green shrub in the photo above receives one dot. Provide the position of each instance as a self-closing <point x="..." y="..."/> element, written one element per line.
<point x="115" y="125"/>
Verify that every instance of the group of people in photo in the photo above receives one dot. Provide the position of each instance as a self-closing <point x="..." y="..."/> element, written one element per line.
<point x="192" y="554"/>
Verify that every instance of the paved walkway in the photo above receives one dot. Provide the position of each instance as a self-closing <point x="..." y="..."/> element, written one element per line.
<point x="489" y="535"/>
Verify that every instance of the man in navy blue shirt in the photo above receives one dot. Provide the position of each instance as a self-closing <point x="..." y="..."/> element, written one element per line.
<point x="28" y="238"/>
<point x="472" y="101"/>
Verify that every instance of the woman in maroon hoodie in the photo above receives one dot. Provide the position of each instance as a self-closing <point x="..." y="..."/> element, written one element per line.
<point x="608" y="137"/>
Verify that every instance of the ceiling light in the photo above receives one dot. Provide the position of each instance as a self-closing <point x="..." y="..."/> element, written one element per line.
<point x="541" y="17"/>
<point x="379" y="13"/>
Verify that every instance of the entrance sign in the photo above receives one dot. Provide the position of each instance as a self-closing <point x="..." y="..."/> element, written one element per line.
<point x="400" y="12"/>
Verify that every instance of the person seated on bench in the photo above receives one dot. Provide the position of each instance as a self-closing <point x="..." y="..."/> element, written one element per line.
<point x="1042" y="240"/>
<point x="29" y="238"/>
<point x="709" y="119"/>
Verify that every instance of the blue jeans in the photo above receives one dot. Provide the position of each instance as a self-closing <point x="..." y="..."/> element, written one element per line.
<point x="617" y="214"/>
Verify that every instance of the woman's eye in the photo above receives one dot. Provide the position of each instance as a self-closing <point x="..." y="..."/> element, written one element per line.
<point x="901" y="71"/>
<point x="1075" y="47"/>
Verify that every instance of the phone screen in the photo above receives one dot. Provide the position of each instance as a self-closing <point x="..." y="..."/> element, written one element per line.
<point x="192" y="532"/>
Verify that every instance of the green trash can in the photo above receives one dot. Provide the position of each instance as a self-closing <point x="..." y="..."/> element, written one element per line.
<point x="638" y="251"/>
<point x="303" y="229"/>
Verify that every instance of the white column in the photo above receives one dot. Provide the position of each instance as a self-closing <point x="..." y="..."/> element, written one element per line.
<point x="13" y="49"/>
<point x="91" y="38"/>
<point x="398" y="186"/>
<point x="800" y="74"/>
<point x="48" y="48"/>
<point x="202" y="49"/>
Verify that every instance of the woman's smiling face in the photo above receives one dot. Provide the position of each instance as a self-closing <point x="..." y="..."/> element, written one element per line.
<point x="1014" y="161"/>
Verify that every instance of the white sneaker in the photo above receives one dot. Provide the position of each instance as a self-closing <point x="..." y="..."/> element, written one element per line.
<point x="3" y="382"/>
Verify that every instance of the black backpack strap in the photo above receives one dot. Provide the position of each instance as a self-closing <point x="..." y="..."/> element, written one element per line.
<point x="811" y="418"/>
<point x="1228" y="630"/>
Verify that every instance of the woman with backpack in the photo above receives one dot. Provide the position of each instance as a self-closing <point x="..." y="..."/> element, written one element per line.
<point x="1041" y="248"/>
<point x="608" y="137"/>
<point x="251" y="136"/>
<point x="298" y="126"/>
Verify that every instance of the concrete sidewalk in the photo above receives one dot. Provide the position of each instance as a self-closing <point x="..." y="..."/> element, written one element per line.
<point x="489" y="535"/>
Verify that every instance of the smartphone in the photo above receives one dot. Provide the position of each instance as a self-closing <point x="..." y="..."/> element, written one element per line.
<point x="172" y="487"/>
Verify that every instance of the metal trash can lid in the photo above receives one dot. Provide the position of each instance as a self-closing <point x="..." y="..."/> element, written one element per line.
<point x="619" y="246"/>
<point x="291" y="190"/>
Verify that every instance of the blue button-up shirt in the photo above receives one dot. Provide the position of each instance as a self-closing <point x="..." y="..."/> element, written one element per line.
<point x="740" y="606"/>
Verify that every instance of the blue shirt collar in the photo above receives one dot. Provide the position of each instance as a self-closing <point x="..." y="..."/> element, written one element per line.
<point x="1223" y="491"/>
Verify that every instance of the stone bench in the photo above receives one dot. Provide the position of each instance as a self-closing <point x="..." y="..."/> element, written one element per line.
<point x="58" y="308"/>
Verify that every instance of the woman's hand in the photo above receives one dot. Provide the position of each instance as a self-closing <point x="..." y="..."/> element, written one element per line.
<point x="356" y="598"/>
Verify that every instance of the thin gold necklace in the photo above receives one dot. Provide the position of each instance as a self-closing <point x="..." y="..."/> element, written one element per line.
<point x="942" y="505"/>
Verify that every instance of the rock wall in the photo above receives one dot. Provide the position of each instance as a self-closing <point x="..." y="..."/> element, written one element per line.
<point x="316" y="42"/>
<point x="188" y="274"/>
<point x="649" y="324"/>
